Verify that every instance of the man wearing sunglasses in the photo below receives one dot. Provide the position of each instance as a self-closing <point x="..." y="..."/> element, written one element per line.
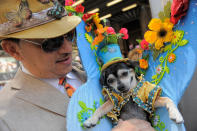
<point x="40" y="36"/>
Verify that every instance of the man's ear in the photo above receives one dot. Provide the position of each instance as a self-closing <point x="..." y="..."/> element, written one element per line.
<point x="12" y="49"/>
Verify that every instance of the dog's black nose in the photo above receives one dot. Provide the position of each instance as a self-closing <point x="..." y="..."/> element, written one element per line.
<point x="121" y="88"/>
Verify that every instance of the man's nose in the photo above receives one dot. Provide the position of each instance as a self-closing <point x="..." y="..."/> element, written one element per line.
<point x="66" y="47"/>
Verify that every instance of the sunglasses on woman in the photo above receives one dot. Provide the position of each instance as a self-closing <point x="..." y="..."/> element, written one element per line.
<point x="53" y="44"/>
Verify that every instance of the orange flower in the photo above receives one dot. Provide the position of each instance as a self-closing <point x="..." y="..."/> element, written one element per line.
<point x="88" y="28"/>
<point x="96" y="19"/>
<point x="143" y="63"/>
<point x="171" y="57"/>
<point x="98" y="39"/>
<point x="140" y="51"/>
<point x="102" y="30"/>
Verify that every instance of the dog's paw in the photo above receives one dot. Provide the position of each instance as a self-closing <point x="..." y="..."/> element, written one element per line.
<point x="91" y="122"/>
<point x="174" y="114"/>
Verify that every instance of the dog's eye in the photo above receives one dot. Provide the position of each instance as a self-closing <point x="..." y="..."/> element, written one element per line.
<point x="124" y="74"/>
<point x="110" y="81"/>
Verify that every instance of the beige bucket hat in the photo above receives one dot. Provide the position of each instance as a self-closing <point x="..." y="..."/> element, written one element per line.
<point x="31" y="19"/>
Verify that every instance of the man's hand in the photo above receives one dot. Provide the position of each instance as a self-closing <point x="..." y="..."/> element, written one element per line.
<point x="133" y="125"/>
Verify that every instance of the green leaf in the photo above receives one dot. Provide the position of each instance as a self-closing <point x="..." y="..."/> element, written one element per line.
<point x="167" y="9"/>
<point x="112" y="39"/>
<point x="79" y="116"/>
<point x="161" y="59"/>
<point x="183" y="42"/>
<point x="104" y="49"/>
<point x="167" y="70"/>
<point x="161" y="15"/>
<point x="88" y="38"/>
<point x="139" y="40"/>
<point x="154" y="77"/>
<point x="80" y="14"/>
<point x="101" y="101"/>
<point x="146" y="57"/>
<point x="79" y="34"/>
<point x="155" y="54"/>
<point x="168" y="47"/>
<point x="162" y="125"/>
<point x="70" y="9"/>
<point x="82" y="105"/>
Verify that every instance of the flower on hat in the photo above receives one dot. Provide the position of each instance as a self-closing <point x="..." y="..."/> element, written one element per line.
<point x="143" y="64"/>
<point x="79" y="9"/>
<point x="124" y="31"/>
<point x="160" y="32"/>
<point x="76" y="11"/>
<point x="87" y="16"/>
<point x="144" y="45"/>
<point x="88" y="28"/>
<point x="69" y="2"/>
<point x="110" y="30"/>
<point x="98" y="39"/>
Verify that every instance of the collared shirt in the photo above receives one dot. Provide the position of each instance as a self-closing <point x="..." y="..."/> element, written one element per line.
<point x="71" y="78"/>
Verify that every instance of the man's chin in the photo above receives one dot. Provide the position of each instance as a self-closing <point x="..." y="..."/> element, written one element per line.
<point x="65" y="71"/>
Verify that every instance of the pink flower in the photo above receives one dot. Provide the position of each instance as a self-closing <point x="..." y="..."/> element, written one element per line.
<point x="159" y="69"/>
<point x="110" y="30"/>
<point x="126" y="36"/>
<point x="124" y="31"/>
<point x="79" y="9"/>
<point x="144" y="45"/>
<point x="69" y="2"/>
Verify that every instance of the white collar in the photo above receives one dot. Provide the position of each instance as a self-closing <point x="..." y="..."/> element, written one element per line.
<point x="52" y="81"/>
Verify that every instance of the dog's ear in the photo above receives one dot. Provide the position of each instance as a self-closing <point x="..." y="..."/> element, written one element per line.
<point x="132" y="64"/>
<point x="135" y="66"/>
<point x="102" y="78"/>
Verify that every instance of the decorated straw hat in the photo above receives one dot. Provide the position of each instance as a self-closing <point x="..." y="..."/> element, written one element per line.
<point x="34" y="19"/>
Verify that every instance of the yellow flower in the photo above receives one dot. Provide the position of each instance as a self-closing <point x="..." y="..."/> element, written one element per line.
<point x="143" y="63"/>
<point x="101" y="30"/>
<point x="177" y="36"/>
<point x="160" y="32"/>
<point x="96" y="19"/>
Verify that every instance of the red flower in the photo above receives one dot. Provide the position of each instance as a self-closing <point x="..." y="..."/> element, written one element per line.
<point x="70" y="14"/>
<point x="126" y="36"/>
<point x="69" y="2"/>
<point x="87" y="16"/>
<point x="79" y="9"/>
<point x="178" y="9"/>
<point x="124" y="31"/>
<point x="144" y="45"/>
<point x="110" y="30"/>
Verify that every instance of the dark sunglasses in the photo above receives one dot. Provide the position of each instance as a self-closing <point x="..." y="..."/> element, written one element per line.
<point x="53" y="44"/>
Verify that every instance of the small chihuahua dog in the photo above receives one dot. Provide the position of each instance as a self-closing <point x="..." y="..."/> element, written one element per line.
<point x="121" y="78"/>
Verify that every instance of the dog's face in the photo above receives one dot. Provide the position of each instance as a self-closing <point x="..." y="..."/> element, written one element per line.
<point x="120" y="77"/>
